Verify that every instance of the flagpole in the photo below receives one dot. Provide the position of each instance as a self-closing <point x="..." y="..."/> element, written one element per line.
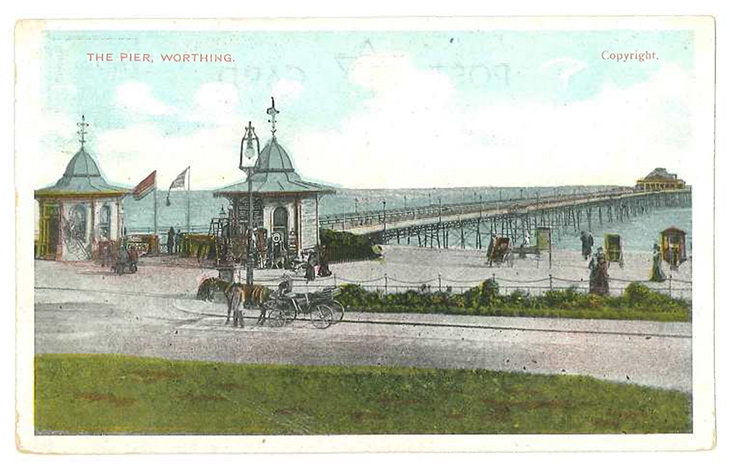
<point x="155" y="193"/>
<point x="188" y="217"/>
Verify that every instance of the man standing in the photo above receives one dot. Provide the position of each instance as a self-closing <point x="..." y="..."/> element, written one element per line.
<point x="171" y="241"/>
<point x="309" y="267"/>
<point x="586" y="241"/>
<point x="178" y="241"/>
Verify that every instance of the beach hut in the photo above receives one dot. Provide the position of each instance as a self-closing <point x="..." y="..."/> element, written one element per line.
<point x="673" y="246"/>
<point x="81" y="215"/>
<point x="499" y="250"/>
<point x="544" y="238"/>
<point x="613" y="248"/>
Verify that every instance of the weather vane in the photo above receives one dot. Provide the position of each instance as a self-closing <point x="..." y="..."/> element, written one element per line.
<point x="272" y="111"/>
<point x="82" y="130"/>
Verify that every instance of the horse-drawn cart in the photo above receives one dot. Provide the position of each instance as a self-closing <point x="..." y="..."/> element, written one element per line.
<point x="319" y="307"/>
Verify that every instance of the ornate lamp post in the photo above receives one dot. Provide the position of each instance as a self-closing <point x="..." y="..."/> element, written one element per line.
<point x="249" y="152"/>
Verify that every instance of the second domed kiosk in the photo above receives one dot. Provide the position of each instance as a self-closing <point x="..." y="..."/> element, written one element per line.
<point x="285" y="207"/>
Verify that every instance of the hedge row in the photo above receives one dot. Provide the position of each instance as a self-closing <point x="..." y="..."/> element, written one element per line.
<point x="343" y="246"/>
<point x="637" y="302"/>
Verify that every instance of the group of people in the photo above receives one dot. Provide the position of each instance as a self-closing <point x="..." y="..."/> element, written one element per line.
<point x="598" y="264"/>
<point x="174" y="241"/>
<point x="317" y="264"/>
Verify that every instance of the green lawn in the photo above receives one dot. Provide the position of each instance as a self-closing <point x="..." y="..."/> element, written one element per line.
<point x="119" y="394"/>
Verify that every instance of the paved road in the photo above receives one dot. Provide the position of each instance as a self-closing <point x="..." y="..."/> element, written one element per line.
<point x="156" y="325"/>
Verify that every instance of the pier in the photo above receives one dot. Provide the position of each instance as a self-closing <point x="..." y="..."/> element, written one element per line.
<point x="436" y="225"/>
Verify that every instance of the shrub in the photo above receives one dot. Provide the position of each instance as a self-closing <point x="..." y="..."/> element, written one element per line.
<point x="516" y="298"/>
<point x="343" y="246"/>
<point x="488" y="292"/>
<point x="562" y="298"/>
<point x="637" y="294"/>
<point x="591" y="300"/>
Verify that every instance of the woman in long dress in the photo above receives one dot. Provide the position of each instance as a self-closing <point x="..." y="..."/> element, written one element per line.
<point x="598" y="280"/>
<point x="657" y="273"/>
<point x="324" y="262"/>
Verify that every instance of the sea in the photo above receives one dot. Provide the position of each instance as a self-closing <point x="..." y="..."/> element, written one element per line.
<point x="637" y="234"/>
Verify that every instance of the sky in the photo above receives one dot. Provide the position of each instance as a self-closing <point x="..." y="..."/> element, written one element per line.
<point x="380" y="109"/>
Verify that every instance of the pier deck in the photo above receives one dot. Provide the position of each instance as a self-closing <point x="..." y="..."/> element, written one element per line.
<point x="511" y="217"/>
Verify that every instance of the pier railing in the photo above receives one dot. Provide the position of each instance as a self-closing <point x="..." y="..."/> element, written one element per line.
<point x="672" y="287"/>
<point x="373" y="221"/>
<point x="374" y="217"/>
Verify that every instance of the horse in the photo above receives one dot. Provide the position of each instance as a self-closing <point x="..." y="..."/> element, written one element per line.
<point x="238" y="295"/>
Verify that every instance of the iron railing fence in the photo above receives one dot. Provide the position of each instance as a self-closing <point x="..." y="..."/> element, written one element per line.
<point x="673" y="287"/>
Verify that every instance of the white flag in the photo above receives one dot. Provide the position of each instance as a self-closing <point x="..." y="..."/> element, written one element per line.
<point x="177" y="183"/>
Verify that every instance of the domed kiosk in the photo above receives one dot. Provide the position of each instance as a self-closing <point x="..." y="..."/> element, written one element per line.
<point x="80" y="212"/>
<point x="285" y="207"/>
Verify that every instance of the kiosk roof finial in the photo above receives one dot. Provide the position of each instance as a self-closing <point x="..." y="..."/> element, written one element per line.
<point x="82" y="130"/>
<point x="272" y="111"/>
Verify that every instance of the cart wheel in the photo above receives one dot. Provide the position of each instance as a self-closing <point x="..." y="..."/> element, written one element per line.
<point x="275" y="318"/>
<point x="338" y="311"/>
<point x="288" y="315"/>
<point x="133" y="268"/>
<point x="322" y="316"/>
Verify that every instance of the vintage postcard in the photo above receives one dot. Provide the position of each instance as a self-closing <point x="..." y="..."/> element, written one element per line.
<point x="434" y="234"/>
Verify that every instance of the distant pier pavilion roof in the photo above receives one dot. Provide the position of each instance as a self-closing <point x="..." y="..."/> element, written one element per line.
<point x="81" y="178"/>
<point x="274" y="174"/>
<point x="660" y="174"/>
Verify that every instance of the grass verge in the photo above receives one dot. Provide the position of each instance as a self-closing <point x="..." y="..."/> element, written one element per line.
<point x="111" y="394"/>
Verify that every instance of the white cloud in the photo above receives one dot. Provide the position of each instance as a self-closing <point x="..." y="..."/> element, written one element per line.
<point x="398" y="137"/>
<point x="287" y="90"/>
<point x="131" y="153"/>
<point x="614" y="138"/>
<point x="217" y="97"/>
<point x="137" y="97"/>
<point x="127" y="154"/>
<point x="416" y="131"/>
<point x="215" y="103"/>
<point x="52" y="140"/>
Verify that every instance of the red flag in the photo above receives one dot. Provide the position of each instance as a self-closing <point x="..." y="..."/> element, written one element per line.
<point x="146" y="186"/>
